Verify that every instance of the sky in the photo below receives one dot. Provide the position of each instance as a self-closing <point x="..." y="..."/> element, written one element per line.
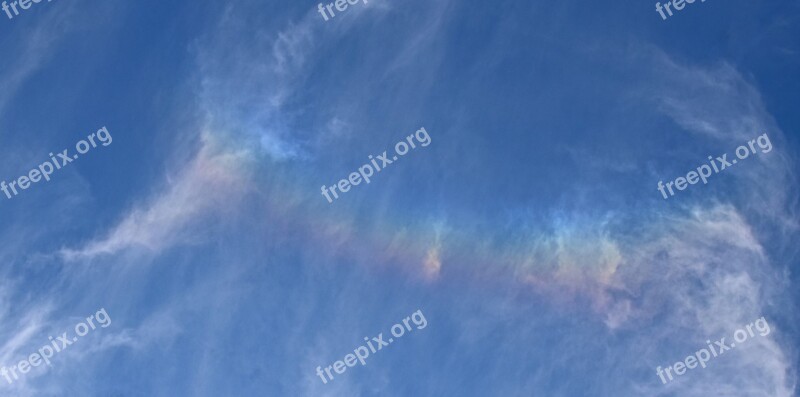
<point x="524" y="239"/>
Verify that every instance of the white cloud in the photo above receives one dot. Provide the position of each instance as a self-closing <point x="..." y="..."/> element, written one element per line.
<point x="209" y="183"/>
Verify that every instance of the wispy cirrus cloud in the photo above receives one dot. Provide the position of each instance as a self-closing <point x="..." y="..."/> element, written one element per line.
<point x="207" y="184"/>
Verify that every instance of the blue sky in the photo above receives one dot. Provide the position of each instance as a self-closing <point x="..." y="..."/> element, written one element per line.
<point x="530" y="232"/>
